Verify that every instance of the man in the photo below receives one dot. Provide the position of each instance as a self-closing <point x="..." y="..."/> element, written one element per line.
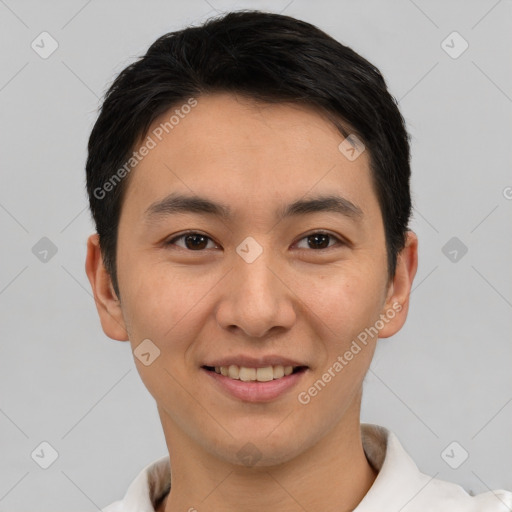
<point x="249" y="181"/>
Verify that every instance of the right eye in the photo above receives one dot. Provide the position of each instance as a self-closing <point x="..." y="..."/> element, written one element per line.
<point x="192" y="241"/>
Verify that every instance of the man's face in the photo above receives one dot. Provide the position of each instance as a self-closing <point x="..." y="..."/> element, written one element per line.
<point x="253" y="288"/>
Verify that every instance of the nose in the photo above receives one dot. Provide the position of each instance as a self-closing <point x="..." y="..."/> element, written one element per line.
<point x="256" y="299"/>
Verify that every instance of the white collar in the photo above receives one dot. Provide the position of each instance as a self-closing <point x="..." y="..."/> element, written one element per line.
<point x="399" y="485"/>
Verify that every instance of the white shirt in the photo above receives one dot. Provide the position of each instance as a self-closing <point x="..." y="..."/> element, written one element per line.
<point x="399" y="486"/>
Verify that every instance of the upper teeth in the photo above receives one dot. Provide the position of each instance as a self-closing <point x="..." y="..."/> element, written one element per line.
<point x="265" y="374"/>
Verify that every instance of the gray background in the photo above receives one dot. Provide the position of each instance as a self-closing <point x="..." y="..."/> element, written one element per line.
<point x="445" y="377"/>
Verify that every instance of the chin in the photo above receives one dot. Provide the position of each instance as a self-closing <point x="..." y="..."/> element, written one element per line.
<point x="261" y="451"/>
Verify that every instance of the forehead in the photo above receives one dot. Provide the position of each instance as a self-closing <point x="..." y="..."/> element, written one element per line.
<point x="238" y="149"/>
<point x="220" y="121"/>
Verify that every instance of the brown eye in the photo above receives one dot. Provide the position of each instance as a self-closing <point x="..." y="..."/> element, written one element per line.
<point x="319" y="241"/>
<point x="191" y="241"/>
<point x="196" y="242"/>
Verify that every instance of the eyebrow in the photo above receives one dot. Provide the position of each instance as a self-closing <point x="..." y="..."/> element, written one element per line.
<point x="179" y="203"/>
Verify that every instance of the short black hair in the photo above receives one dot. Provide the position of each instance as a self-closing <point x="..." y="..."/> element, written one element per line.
<point x="267" y="57"/>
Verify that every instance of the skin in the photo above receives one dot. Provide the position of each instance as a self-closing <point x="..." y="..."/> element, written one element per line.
<point x="294" y="300"/>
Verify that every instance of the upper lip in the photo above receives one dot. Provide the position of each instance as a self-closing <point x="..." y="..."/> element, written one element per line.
<point x="254" y="362"/>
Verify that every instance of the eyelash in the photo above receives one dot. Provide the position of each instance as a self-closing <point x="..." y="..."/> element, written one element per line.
<point x="339" y="241"/>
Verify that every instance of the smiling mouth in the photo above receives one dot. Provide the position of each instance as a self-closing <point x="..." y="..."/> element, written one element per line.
<point x="263" y="374"/>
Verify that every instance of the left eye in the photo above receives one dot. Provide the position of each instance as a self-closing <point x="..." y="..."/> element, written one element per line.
<point x="318" y="241"/>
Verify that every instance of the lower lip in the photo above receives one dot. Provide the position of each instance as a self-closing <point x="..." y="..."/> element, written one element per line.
<point x="256" y="391"/>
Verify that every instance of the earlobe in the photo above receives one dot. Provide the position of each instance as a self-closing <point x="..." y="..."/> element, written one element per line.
<point x="397" y="301"/>
<point x="107" y="303"/>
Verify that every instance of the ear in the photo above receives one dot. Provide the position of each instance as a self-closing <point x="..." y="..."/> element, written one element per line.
<point x="396" y="306"/>
<point x="107" y="303"/>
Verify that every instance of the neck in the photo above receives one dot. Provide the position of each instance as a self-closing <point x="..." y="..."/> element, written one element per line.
<point x="333" y="475"/>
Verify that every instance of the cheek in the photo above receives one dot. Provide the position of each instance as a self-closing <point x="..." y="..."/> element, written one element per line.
<point x="164" y="307"/>
<point x="345" y="302"/>
<point x="344" y="306"/>
<point x="160" y="300"/>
